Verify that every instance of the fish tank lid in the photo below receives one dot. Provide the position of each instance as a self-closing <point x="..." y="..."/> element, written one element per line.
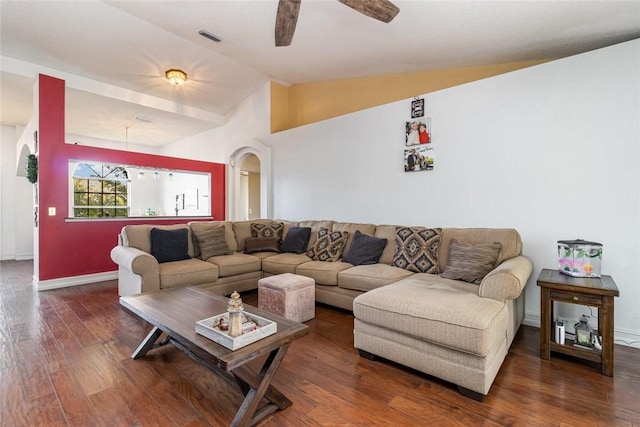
<point x="578" y="242"/>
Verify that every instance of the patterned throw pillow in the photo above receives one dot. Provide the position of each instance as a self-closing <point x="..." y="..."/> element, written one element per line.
<point x="470" y="262"/>
<point x="211" y="242"/>
<point x="273" y="229"/>
<point x="416" y="249"/>
<point x="328" y="245"/>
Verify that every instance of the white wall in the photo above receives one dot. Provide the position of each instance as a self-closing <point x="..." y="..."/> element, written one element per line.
<point x="16" y="200"/>
<point x="248" y="122"/>
<point x="551" y="150"/>
<point x="246" y="127"/>
<point x="113" y="145"/>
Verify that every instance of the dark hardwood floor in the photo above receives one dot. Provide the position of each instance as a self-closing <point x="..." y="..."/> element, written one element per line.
<point x="65" y="360"/>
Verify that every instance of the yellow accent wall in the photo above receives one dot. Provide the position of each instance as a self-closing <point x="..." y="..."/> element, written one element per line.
<point x="305" y="103"/>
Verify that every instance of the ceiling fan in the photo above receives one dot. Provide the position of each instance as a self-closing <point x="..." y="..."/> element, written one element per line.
<point x="287" y="15"/>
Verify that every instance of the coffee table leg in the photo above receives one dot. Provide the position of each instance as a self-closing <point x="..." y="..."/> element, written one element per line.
<point x="147" y="343"/>
<point x="245" y="415"/>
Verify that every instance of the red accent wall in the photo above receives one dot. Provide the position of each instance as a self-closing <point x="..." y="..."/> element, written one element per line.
<point x="68" y="249"/>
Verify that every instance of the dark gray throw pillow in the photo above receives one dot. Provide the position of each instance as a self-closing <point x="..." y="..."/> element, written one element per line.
<point x="296" y="240"/>
<point x="364" y="249"/>
<point x="254" y="245"/>
<point x="170" y="245"/>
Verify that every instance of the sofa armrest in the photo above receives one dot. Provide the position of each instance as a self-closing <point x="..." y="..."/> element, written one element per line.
<point x="507" y="280"/>
<point x="138" y="270"/>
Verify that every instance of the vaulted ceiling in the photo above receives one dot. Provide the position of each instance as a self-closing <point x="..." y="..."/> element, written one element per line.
<point x="113" y="54"/>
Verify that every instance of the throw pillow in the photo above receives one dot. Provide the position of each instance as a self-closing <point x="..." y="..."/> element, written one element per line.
<point x="170" y="245"/>
<point x="416" y="249"/>
<point x="471" y="262"/>
<point x="365" y="249"/>
<point x="211" y="242"/>
<point x="273" y="229"/>
<point x="328" y="245"/>
<point x="261" y="244"/>
<point x="296" y="240"/>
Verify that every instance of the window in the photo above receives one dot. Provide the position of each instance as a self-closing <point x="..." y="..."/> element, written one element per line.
<point x="100" y="191"/>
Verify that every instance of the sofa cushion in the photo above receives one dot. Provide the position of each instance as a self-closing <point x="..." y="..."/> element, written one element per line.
<point x="328" y="246"/>
<point x="364" y="249"/>
<point x="470" y="262"/>
<point x="416" y="249"/>
<point x="442" y="311"/>
<point x="270" y="229"/>
<point x="367" y="229"/>
<point x="187" y="273"/>
<point x="367" y="277"/>
<point x="507" y="237"/>
<point x="169" y="245"/>
<point x="211" y="242"/>
<point x="324" y="273"/>
<point x="236" y="263"/>
<point x="387" y="232"/>
<point x="283" y="263"/>
<point x="296" y="240"/>
<point x="261" y="244"/>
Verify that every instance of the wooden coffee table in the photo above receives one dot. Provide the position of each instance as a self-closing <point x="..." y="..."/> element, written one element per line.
<point x="175" y="311"/>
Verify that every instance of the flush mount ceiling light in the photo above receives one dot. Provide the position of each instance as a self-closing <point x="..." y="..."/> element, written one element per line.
<point x="176" y="77"/>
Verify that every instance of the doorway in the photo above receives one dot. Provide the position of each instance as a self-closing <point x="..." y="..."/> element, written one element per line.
<point x="249" y="198"/>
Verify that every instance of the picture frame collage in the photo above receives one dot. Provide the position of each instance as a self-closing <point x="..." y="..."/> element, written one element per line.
<point x="419" y="152"/>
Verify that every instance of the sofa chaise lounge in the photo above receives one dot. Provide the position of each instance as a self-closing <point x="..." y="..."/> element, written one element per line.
<point x="436" y="322"/>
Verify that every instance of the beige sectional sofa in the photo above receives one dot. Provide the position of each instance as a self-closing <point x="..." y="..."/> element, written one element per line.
<point x="454" y="330"/>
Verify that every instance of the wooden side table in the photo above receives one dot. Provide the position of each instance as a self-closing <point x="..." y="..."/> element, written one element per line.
<point x="593" y="292"/>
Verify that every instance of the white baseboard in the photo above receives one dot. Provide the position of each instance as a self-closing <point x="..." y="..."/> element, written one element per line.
<point x="17" y="257"/>
<point x="625" y="337"/>
<point x="64" y="282"/>
<point x="532" y="319"/>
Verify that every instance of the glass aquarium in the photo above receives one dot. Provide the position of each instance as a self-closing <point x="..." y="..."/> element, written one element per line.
<point x="579" y="258"/>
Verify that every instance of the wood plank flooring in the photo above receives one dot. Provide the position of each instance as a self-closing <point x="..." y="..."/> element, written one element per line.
<point x="65" y="361"/>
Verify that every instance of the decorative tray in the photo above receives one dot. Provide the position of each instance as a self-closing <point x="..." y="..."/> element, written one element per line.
<point x="209" y="328"/>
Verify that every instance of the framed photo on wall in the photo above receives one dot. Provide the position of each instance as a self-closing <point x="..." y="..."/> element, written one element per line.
<point x="417" y="132"/>
<point x="419" y="158"/>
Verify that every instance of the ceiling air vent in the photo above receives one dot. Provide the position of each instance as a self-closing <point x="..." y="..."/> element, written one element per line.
<point x="207" y="34"/>
<point x="143" y="119"/>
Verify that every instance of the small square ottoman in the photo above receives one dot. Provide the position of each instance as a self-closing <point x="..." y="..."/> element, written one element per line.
<point x="288" y="295"/>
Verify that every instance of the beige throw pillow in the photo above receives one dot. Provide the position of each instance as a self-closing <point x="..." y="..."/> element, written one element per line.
<point x="470" y="262"/>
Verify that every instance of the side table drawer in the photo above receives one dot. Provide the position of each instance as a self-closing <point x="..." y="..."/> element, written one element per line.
<point x="577" y="298"/>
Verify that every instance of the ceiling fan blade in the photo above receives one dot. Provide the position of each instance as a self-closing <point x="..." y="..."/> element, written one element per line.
<point x="286" y="19"/>
<point x="382" y="10"/>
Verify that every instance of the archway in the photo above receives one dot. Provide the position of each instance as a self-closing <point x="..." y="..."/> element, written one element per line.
<point x="255" y="148"/>
<point x="21" y="167"/>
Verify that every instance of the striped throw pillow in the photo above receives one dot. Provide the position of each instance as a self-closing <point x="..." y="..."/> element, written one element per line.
<point x="211" y="242"/>
<point x="470" y="262"/>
